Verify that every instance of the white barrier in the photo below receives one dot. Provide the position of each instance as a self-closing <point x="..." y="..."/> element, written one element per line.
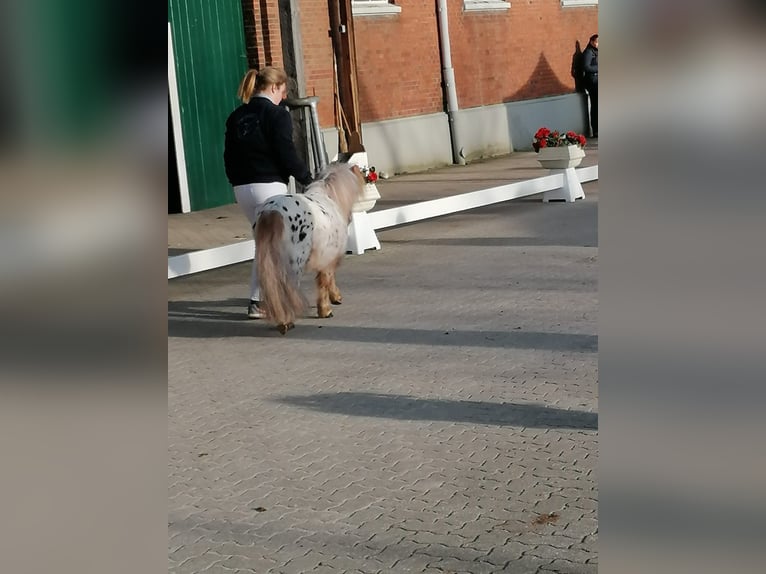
<point x="206" y="259"/>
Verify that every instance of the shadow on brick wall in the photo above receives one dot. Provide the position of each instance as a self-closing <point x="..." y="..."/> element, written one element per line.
<point x="542" y="82"/>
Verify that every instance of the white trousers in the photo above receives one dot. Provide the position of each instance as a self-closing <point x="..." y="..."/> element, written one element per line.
<point x="250" y="197"/>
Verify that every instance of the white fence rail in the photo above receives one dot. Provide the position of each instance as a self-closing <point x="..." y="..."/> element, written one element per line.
<point x="205" y="259"/>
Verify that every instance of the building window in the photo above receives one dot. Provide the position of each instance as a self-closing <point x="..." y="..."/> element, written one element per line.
<point x="373" y="7"/>
<point x="566" y="3"/>
<point x="485" y="5"/>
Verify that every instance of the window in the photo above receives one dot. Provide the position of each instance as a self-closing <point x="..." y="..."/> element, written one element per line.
<point x="485" y="5"/>
<point x="566" y="3"/>
<point x="373" y="7"/>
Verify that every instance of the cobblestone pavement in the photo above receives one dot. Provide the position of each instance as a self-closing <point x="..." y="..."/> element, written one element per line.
<point x="444" y="421"/>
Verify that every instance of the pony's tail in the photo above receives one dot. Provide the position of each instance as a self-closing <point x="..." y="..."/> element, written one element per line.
<point x="280" y="296"/>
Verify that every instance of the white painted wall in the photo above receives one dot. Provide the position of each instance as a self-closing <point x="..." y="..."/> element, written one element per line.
<point x="561" y="113"/>
<point x="408" y="144"/>
<point x="484" y="132"/>
<point x="404" y="144"/>
<point x="423" y="142"/>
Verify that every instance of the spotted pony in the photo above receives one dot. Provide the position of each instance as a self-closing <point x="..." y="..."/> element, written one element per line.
<point x="306" y="232"/>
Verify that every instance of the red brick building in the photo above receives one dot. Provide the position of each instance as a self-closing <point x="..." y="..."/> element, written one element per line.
<point x="511" y="62"/>
<point x="502" y="53"/>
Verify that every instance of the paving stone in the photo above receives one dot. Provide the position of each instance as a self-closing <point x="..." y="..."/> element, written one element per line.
<point x="457" y="566"/>
<point x="199" y="563"/>
<point x="567" y="567"/>
<point x="553" y="553"/>
<point x="524" y="565"/>
<point x="247" y="563"/>
<point x="306" y="563"/>
<point x="504" y="552"/>
<point x="449" y="402"/>
<point x="394" y="553"/>
<point x="414" y="563"/>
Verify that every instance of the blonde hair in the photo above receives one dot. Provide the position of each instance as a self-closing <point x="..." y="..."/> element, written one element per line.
<point x="257" y="81"/>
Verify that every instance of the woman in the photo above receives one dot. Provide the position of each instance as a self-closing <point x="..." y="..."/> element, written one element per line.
<point x="590" y="65"/>
<point x="259" y="154"/>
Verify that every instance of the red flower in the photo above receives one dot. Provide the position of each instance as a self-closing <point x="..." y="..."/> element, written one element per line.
<point x="370" y="175"/>
<point x="547" y="138"/>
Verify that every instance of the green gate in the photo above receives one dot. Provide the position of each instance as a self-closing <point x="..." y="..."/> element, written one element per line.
<point x="210" y="60"/>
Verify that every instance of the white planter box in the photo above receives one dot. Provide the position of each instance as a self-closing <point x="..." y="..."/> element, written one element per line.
<point x="560" y="157"/>
<point x="368" y="199"/>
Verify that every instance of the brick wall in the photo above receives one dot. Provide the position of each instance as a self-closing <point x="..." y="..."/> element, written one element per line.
<point x="317" y="57"/>
<point x="522" y="53"/>
<point x="399" y="69"/>
<point x="263" y="39"/>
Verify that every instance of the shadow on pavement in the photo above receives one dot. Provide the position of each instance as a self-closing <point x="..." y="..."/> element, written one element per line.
<point x="483" y="242"/>
<point x="412" y="408"/>
<point x="185" y="320"/>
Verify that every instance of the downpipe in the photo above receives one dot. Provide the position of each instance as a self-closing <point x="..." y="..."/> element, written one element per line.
<point x="448" y="78"/>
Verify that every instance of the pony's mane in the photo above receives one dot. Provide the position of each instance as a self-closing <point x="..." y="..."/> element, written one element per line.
<point x="341" y="183"/>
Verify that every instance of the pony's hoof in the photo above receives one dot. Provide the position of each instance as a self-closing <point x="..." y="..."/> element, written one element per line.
<point x="336" y="301"/>
<point x="285" y="327"/>
<point x="321" y="316"/>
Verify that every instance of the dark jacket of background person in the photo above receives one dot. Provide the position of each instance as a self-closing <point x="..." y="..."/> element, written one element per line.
<point x="590" y="65"/>
<point x="259" y="145"/>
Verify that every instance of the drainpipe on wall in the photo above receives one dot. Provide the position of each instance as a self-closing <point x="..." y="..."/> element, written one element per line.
<point x="448" y="78"/>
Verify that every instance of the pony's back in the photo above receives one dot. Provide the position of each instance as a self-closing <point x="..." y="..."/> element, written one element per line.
<point x="341" y="182"/>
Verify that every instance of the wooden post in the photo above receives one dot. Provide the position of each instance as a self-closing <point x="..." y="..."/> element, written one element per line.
<point x="344" y="48"/>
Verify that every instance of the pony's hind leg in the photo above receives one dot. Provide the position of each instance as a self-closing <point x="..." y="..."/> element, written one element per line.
<point x="335" y="297"/>
<point x="323" y="280"/>
<point x="285" y="327"/>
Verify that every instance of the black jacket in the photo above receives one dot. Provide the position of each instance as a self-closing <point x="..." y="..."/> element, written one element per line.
<point x="259" y="145"/>
<point x="590" y="64"/>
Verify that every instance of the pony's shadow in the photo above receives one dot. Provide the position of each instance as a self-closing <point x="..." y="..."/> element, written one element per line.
<point x="190" y="319"/>
<point x="402" y="407"/>
<point x="222" y="310"/>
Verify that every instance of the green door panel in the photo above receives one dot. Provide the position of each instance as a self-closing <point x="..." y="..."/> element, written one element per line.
<point x="210" y="58"/>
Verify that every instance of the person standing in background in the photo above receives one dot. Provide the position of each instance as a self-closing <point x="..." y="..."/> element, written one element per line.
<point x="590" y="67"/>
<point x="259" y="153"/>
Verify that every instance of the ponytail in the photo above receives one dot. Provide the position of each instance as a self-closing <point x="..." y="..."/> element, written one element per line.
<point x="247" y="86"/>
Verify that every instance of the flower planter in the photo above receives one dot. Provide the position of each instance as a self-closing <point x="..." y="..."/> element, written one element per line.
<point x="560" y="157"/>
<point x="361" y="235"/>
<point x="368" y="199"/>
